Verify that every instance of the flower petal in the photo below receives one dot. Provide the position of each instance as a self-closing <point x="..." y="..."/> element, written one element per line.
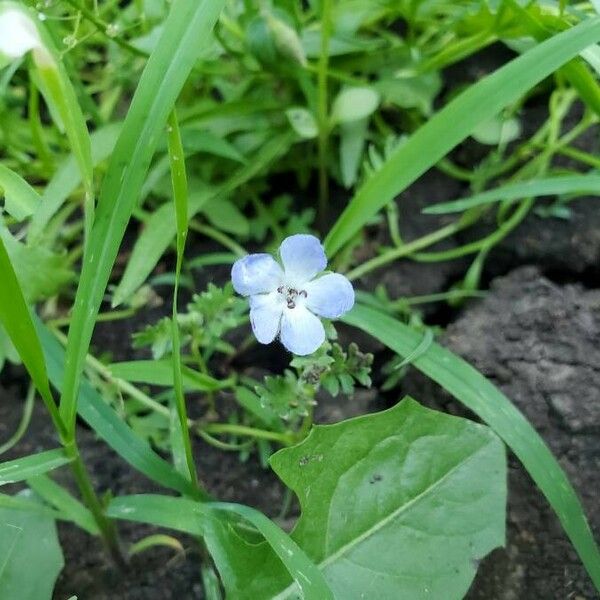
<point x="330" y="296"/>
<point x="18" y="34"/>
<point x="301" y="332"/>
<point x="256" y="274"/>
<point x="265" y="316"/>
<point x="303" y="257"/>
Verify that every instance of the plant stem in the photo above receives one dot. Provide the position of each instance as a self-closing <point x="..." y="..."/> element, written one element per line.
<point x="107" y="528"/>
<point x="234" y="429"/>
<point x="323" y="113"/>
<point x="408" y="248"/>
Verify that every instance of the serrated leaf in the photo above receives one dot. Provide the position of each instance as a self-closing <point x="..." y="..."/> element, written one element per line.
<point x="398" y="504"/>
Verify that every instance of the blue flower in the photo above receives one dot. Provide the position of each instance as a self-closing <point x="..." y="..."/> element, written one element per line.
<point x="288" y="301"/>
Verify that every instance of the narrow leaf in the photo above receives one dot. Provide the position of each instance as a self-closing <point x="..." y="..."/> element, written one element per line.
<point x="455" y="122"/>
<point x="29" y="466"/>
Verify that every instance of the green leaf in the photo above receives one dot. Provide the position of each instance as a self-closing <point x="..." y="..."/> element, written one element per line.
<point x="428" y="487"/>
<point x="186" y="32"/>
<point x="30" y="555"/>
<point x="551" y="186"/>
<point x="69" y="507"/>
<point x="16" y="320"/>
<point x="108" y="425"/>
<point x="303" y="122"/>
<point x="240" y="563"/>
<point x="478" y="394"/>
<point x="68" y="177"/>
<point x="354" y="104"/>
<point x="160" y="372"/>
<point x="20" y="199"/>
<point x="455" y="122"/>
<point x="41" y="273"/>
<point x="352" y="145"/>
<point x="20" y="469"/>
<point x="497" y="130"/>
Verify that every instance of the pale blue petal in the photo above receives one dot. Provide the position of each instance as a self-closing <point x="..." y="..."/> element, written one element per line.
<point x="301" y="332"/>
<point x="302" y="257"/>
<point x="256" y="274"/>
<point x="330" y="296"/>
<point x="265" y="316"/>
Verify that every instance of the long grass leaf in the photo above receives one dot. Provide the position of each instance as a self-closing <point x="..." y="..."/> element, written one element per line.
<point x="180" y="433"/>
<point x="186" y="32"/>
<point x="455" y="122"/>
<point x="18" y="324"/>
<point x="160" y="229"/>
<point x="20" y="469"/>
<point x="478" y="394"/>
<point x="108" y="425"/>
<point x="551" y="186"/>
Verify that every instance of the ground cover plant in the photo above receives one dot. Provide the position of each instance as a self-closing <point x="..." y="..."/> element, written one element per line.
<point x="203" y="229"/>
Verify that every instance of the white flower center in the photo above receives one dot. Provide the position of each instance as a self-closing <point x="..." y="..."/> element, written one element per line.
<point x="291" y="295"/>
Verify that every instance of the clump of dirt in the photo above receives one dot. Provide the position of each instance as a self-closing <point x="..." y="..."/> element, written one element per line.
<point x="540" y="343"/>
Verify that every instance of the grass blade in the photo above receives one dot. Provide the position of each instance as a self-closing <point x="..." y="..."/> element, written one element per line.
<point x="455" y="122"/>
<point x="16" y="320"/>
<point x="20" y="469"/>
<point x="185" y="33"/>
<point x="160" y="372"/>
<point x="551" y="186"/>
<point x="180" y="433"/>
<point x="478" y="394"/>
<point x="109" y="426"/>
<point x="195" y="518"/>
<point x="70" y="508"/>
<point x="160" y="229"/>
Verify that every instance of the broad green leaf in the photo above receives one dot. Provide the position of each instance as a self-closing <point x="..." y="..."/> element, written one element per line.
<point x="20" y="199"/>
<point x="478" y="394"/>
<point x="160" y="372"/>
<point x="108" y="425"/>
<point x="455" y="122"/>
<point x="20" y="469"/>
<point x="160" y="229"/>
<point x="70" y="508"/>
<point x="551" y="186"/>
<point x="186" y="32"/>
<point x="354" y="104"/>
<point x="30" y="555"/>
<point x="239" y="562"/>
<point x="398" y="504"/>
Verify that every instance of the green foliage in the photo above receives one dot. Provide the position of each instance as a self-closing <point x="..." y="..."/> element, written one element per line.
<point x="30" y="555"/>
<point x="428" y="487"/>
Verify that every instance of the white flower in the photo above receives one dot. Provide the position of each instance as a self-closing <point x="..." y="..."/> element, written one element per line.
<point x="286" y="301"/>
<point x="18" y="33"/>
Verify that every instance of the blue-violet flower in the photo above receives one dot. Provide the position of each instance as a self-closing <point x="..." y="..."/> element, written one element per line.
<point x="289" y="301"/>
